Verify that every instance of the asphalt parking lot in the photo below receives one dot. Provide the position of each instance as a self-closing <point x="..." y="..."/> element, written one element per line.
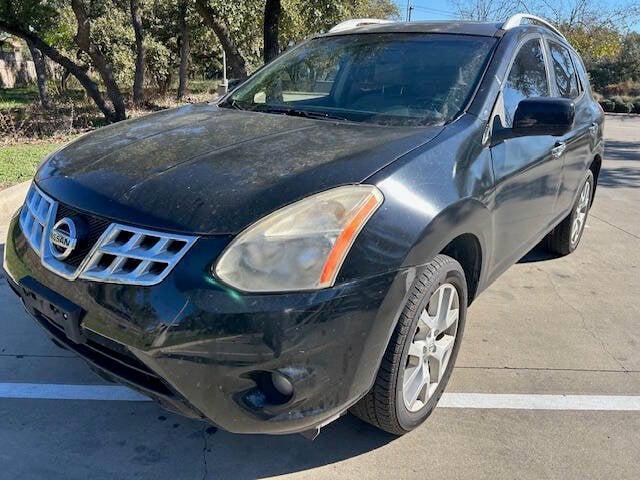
<point x="567" y="329"/>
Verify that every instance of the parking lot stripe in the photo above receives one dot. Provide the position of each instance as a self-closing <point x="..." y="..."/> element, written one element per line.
<point x="52" y="391"/>
<point x="540" y="402"/>
<point x="48" y="391"/>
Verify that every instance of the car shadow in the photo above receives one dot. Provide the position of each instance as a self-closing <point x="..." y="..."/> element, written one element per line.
<point x="539" y="253"/>
<point x="261" y="456"/>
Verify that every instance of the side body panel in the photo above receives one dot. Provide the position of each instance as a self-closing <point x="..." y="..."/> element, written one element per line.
<point x="527" y="184"/>
<point x="527" y="175"/>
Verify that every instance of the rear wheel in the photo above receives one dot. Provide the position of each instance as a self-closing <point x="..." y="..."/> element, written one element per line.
<point x="420" y="356"/>
<point x="564" y="239"/>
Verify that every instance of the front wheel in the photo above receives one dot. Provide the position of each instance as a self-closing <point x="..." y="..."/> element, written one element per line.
<point x="423" y="348"/>
<point x="564" y="239"/>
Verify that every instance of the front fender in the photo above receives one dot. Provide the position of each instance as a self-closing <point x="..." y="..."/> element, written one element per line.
<point x="468" y="216"/>
<point x="432" y="195"/>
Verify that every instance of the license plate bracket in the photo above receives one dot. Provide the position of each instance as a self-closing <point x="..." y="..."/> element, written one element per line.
<point x="40" y="300"/>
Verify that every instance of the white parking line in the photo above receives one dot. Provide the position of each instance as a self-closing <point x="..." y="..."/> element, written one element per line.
<point x="540" y="402"/>
<point x="48" y="391"/>
<point x="52" y="391"/>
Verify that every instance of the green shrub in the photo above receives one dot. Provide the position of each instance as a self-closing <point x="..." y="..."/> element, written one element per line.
<point x="627" y="108"/>
<point x="628" y="87"/>
<point x="621" y="105"/>
<point x="607" y="105"/>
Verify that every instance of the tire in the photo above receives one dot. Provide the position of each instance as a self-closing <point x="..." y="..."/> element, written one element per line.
<point x="563" y="240"/>
<point x="384" y="406"/>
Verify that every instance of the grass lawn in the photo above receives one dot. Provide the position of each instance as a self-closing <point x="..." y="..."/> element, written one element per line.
<point x="203" y="86"/>
<point x="17" y="97"/>
<point x="20" y="158"/>
<point x="19" y="162"/>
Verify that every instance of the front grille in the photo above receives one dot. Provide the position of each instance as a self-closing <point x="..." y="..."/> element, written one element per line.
<point x="135" y="256"/>
<point x="105" y="252"/>
<point x="35" y="216"/>
<point x="95" y="228"/>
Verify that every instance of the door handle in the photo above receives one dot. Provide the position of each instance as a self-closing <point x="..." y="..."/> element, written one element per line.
<point x="594" y="129"/>
<point x="558" y="150"/>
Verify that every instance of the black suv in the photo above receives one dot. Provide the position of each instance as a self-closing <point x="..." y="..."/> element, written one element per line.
<point x="310" y="244"/>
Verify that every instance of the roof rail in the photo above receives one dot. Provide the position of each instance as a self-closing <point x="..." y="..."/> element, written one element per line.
<point x="517" y="19"/>
<point x="358" y="22"/>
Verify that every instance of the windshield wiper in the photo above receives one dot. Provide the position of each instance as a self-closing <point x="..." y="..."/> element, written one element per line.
<point x="301" y="113"/>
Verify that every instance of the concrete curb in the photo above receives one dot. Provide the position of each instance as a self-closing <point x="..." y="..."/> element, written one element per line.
<point x="624" y="115"/>
<point x="11" y="199"/>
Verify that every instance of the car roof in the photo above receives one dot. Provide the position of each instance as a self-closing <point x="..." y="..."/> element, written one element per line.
<point x="485" y="29"/>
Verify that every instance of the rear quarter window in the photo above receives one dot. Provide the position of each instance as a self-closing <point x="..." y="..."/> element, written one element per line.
<point x="583" y="76"/>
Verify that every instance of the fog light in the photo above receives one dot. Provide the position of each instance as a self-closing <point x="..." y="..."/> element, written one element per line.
<point x="281" y="384"/>
<point x="272" y="389"/>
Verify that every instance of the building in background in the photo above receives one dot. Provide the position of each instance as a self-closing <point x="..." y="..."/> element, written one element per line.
<point x="16" y="66"/>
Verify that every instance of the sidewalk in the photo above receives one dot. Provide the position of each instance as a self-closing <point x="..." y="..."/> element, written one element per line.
<point x="10" y="200"/>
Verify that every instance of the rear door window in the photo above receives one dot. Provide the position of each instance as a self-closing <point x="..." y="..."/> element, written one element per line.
<point x="564" y="71"/>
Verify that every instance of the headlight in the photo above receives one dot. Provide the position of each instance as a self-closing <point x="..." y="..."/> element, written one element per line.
<point x="301" y="246"/>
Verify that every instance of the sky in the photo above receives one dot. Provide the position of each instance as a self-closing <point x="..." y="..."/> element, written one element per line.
<point x="444" y="9"/>
<point x="428" y="9"/>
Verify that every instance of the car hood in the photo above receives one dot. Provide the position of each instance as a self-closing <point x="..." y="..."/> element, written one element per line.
<point x="207" y="170"/>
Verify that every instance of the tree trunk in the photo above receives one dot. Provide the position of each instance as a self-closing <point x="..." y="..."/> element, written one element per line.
<point x="237" y="65"/>
<point x="138" y="82"/>
<point x="89" y="85"/>
<point x="41" y="75"/>
<point x="83" y="40"/>
<point x="183" y="81"/>
<point x="164" y="83"/>
<point x="271" y="23"/>
<point x="63" y="80"/>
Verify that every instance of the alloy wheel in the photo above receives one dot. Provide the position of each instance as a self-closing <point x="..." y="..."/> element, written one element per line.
<point x="581" y="213"/>
<point x="431" y="347"/>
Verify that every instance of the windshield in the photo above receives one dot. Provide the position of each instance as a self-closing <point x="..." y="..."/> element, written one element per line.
<point x="390" y="78"/>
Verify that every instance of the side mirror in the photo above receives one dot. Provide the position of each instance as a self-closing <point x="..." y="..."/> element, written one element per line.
<point x="543" y="116"/>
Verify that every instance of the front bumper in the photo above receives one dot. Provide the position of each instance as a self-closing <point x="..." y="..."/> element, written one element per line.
<point x="201" y="349"/>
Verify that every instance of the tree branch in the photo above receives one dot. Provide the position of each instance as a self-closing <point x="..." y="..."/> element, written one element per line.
<point x="76" y="70"/>
<point x="211" y="18"/>
<point x="83" y="40"/>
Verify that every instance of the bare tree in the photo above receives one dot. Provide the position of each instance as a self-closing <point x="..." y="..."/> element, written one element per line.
<point x="138" y="82"/>
<point x="183" y="80"/>
<point x="211" y="18"/>
<point x="272" y="11"/>
<point x="487" y="10"/>
<point x="566" y="13"/>
<point x="589" y="13"/>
